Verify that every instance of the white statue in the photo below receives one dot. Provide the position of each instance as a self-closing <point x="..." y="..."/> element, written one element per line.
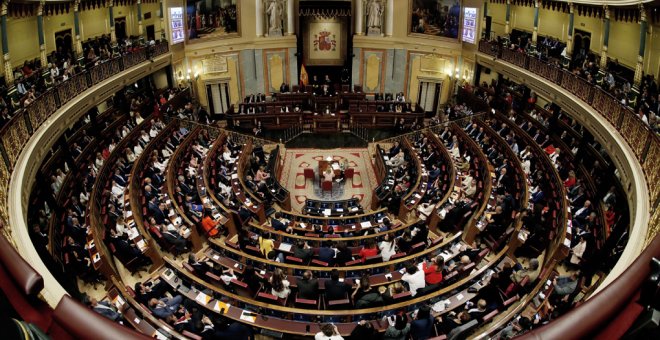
<point x="374" y="14"/>
<point x="274" y="12"/>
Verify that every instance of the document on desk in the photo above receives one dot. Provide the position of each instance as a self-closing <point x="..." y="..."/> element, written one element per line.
<point x="247" y="316"/>
<point x="219" y="305"/>
<point x="142" y="245"/>
<point x="202" y="298"/>
<point x="366" y="224"/>
<point x="327" y="212"/>
<point x="285" y="247"/>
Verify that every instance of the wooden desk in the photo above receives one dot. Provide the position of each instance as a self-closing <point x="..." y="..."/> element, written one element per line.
<point x="324" y="164"/>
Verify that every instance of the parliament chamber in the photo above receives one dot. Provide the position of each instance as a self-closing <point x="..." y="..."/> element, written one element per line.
<point x="297" y="169"/>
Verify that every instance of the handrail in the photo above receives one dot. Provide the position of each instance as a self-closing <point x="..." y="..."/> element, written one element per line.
<point x="390" y="263"/>
<point x="353" y="312"/>
<point x="641" y="139"/>
<point x="604" y="305"/>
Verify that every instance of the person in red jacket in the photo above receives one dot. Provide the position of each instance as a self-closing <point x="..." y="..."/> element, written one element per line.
<point x="433" y="270"/>
<point x="369" y="250"/>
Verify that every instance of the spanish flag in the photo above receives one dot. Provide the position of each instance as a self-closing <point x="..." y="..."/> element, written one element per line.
<point x="304" y="78"/>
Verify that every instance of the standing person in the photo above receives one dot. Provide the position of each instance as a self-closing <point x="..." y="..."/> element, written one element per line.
<point x="422" y="326"/>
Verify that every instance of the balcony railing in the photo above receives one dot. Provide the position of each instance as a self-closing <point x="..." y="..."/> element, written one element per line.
<point x="639" y="136"/>
<point x="27" y="120"/>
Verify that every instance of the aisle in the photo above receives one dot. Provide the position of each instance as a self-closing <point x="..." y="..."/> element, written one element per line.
<point x="297" y="160"/>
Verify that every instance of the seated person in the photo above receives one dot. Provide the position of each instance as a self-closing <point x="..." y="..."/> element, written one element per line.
<point x="308" y="287"/>
<point x="280" y="224"/>
<point x="303" y="251"/>
<point x="335" y="289"/>
<point x="165" y="307"/>
<point x="414" y="278"/>
<point x="365" y="296"/>
<point x="106" y="309"/>
<point x="200" y="267"/>
<point x="279" y="284"/>
<point x="433" y="270"/>
<point x="368" y="250"/>
<point x="328" y="175"/>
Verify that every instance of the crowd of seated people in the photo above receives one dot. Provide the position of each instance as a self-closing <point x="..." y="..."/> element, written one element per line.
<point x="587" y="67"/>
<point x="583" y="220"/>
<point x="579" y="189"/>
<point x="224" y="166"/>
<point x="160" y="219"/>
<point x="185" y="316"/>
<point x="75" y="218"/>
<point x="33" y="79"/>
<point x="397" y="158"/>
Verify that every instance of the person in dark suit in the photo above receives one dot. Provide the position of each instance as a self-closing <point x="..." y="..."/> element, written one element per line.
<point x="148" y="290"/>
<point x="174" y="238"/>
<point x="326" y="254"/>
<point x="308" y="287"/>
<point x="335" y="290"/>
<point x="394" y="149"/>
<point x="277" y="223"/>
<point x="200" y="267"/>
<point x="165" y="307"/>
<point x="106" y="309"/>
<point x="422" y="326"/>
<point x="222" y="330"/>
<point x="303" y="251"/>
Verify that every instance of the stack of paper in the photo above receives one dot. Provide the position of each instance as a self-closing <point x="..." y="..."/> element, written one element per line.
<point x="203" y="298"/>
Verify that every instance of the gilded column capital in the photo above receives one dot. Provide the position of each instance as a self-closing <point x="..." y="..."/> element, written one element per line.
<point x="76" y="5"/>
<point x="642" y="12"/>
<point x="4" y="7"/>
<point x="606" y="11"/>
<point x="571" y="7"/>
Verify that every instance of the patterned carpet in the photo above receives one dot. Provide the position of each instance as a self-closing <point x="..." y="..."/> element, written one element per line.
<point x="293" y="178"/>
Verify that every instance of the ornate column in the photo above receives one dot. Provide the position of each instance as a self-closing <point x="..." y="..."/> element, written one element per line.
<point x="139" y="17"/>
<point x="639" y="68"/>
<point x="259" y="17"/>
<point x="162" y="20"/>
<point x="484" y="34"/>
<point x="76" y="26"/>
<point x="507" y="28"/>
<point x="535" y="33"/>
<point x="40" y="31"/>
<point x="606" y="37"/>
<point x="9" y="72"/>
<point x="569" y="39"/>
<point x="111" y="16"/>
<point x="389" y="22"/>
<point x="359" y="26"/>
<point x="290" y="18"/>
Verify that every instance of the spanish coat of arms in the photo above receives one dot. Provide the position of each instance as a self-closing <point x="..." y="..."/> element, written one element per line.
<point x="324" y="41"/>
